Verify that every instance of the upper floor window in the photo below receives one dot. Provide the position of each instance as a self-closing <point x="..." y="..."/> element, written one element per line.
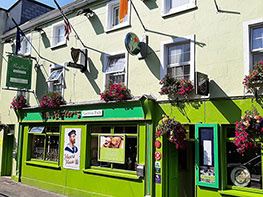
<point x="112" y="19"/>
<point x="256" y="44"/>
<point x="178" y="58"/>
<point x="253" y="44"/>
<point x="56" y="79"/>
<point x="25" y="45"/>
<point x="115" y="68"/>
<point x="174" y="6"/>
<point x="58" y="34"/>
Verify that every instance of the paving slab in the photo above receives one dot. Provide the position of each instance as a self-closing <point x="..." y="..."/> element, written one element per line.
<point x="10" y="188"/>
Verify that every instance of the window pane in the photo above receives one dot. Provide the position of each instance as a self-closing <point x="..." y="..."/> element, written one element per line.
<point x="179" y="72"/>
<point x="257" y="57"/>
<point x="257" y="38"/>
<point x="52" y="148"/>
<point x="55" y="75"/>
<point x="179" y="53"/>
<point x="132" y="129"/>
<point x="116" y="16"/>
<point x="230" y="132"/>
<point x="116" y="63"/>
<point x="100" y="129"/>
<point x="178" y="3"/>
<point x="130" y="155"/>
<point x="244" y="169"/>
<point x="60" y="34"/>
<point x="116" y="78"/>
<point x="37" y="150"/>
<point x="94" y="154"/>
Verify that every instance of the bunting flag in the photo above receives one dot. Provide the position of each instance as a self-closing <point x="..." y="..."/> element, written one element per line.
<point x="67" y="26"/>
<point x="19" y="38"/>
<point x="123" y="9"/>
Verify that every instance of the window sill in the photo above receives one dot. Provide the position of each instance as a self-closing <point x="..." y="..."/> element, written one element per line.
<point x="111" y="173"/>
<point x="43" y="164"/>
<point x="117" y="27"/>
<point x="240" y="193"/>
<point x="59" y="45"/>
<point x="178" y="10"/>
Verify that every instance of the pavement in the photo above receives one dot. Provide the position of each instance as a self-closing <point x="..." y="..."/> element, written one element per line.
<point x="10" y="188"/>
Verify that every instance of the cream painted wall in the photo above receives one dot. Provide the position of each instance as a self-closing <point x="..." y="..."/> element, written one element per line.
<point x="221" y="57"/>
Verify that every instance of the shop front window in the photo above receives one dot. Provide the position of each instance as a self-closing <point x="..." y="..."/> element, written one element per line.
<point x="243" y="170"/>
<point x="44" y="143"/>
<point x="122" y="135"/>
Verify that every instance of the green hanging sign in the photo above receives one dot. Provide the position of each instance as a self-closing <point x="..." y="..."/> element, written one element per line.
<point x="19" y="72"/>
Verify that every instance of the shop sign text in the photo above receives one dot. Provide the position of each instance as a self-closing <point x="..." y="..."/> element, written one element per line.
<point x="58" y="114"/>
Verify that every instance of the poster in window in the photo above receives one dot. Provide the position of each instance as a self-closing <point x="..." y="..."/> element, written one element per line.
<point x="72" y="142"/>
<point x="112" y="148"/>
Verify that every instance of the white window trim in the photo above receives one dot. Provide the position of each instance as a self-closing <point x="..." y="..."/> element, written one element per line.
<point x="106" y="58"/>
<point x="53" y="31"/>
<point x="165" y="11"/>
<point x="109" y="15"/>
<point x="22" y="48"/>
<point x="50" y="88"/>
<point x="164" y="54"/>
<point x="247" y="41"/>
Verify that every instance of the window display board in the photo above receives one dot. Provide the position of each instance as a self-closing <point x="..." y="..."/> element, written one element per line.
<point x="206" y="147"/>
<point x="112" y="148"/>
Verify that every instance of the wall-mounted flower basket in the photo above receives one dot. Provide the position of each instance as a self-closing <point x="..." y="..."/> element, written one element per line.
<point x="51" y="99"/>
<point x="175" y="87"/>
<point x="249" y="131"/>
<point x="255" y="78"/>
<point x="18" y="102"/>
<point x="174" y="130"/>
<point x="116" y="92"/>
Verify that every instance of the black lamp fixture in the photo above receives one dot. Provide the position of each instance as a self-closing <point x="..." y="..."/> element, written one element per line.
<point x="39" y="29"/>
<point x="87" y="12"/>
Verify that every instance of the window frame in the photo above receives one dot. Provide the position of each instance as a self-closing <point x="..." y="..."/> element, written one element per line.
<point x="45" y="134"/>
<point x="112" y="127"/>
<point x="53" y="68"/>
<point x="166" y="10"/>
<point x="164" y="54"/>
<point x="55" y="42"/>
<point x="106" y="61"/>
<point x="110" y="16"/>
<point x="247" y="29"/>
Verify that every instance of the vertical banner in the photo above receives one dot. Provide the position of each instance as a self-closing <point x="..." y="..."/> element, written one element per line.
<point x="112" y="148"/>
<point x="72" y="142"/>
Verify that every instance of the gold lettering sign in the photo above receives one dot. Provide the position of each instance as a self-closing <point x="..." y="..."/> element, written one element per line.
<point x="57" y="114"/>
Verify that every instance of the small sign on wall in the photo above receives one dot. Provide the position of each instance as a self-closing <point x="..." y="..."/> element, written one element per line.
<point x="92" y="113"/>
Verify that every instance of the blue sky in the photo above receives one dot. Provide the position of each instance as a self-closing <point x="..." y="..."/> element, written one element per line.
<point x="8" y="3"/>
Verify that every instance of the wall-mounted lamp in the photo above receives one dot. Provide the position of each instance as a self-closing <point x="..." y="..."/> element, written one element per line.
<point x="39" y="29"/>
<point x="10" y="41"/>
<point x="87" y="12"/>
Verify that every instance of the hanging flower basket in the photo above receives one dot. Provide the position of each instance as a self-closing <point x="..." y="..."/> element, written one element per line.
<point x="175" y="87"/>
<point x="248" y="131"/>
<point x="18" y="102"/>
<point x="116" y="92"/>
<point x="51" y="99"/>
<point x="255" y="78"/>
<point x="174" y="130"/>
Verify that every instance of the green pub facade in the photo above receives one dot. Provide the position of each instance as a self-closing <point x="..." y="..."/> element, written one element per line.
<point x="208" y="166"/>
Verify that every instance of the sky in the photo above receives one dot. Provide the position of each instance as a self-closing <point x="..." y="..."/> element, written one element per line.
<point x="8" y="3"/>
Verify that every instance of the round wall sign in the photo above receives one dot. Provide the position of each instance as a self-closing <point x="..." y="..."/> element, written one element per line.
<point x="157" y="144"/>
<point x="132" y="43"/>
<point x="157" y="155"/>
